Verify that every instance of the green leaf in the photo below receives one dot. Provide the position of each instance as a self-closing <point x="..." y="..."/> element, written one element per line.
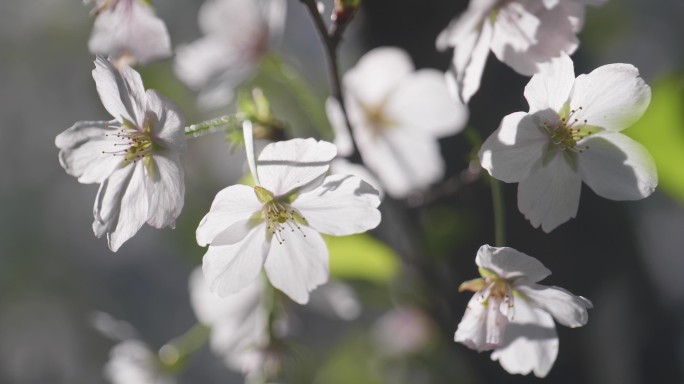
<point x="661" y="130"/>
<point x="362" y="257"/>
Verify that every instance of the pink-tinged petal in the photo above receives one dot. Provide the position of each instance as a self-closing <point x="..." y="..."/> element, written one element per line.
<point x="237" y="322"/>
<point x="527" y="34"/>
<point x="130" y="29"/>
<point x="617" y="167"/>
<point x="510" y="263"/>
<point x="612" y="96"/>
<point x="404" y="160"/>
<point x="121" y="91"/>
<point x="168" y="130"/>
<point x="234" y="204"/>
<point x="343" y="140"/>
<point x="550" y="196"/>
<point x="515" y="148"/>
<point x="81" y="150"/>
<point x="566" y="308"/>
<point x="550" y="88"/>
<point x="299" y="264"/>
<point x="377" y="74"/>
<point x="167" y="181"/>
<point x="530" y="342"/>
<point x="483" y="324"/>
<point x="294" y="164"/>
<point x="230" y="268"/>
<point x="133" y="207"/>
<point x="465" y="24"/>
<point x="342" y="205"/>
<point x="422" y="101"/>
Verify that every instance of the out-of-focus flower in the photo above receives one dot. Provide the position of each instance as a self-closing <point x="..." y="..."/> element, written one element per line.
<point x="513" y="315"/>
<point x="277" y="223"/>
<point x="237" y="322"/>
<point x="132" y="362"/>
<point x="135" y="157"/>
<point x="237" y="36"/>
<point x="129" y="32"/>
<point x="397" y="114"/>
<point x="524" y="34"/>
<point x="572" y="134"/>
<point x="402" y="331"/>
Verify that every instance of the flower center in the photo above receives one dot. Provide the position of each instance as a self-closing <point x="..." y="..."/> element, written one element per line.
<point x="569" y="130"/>
<point x="279" y="215"/>
<point x="135" y="144"/>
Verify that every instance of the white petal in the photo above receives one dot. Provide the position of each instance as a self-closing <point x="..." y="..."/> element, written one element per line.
<point x="466" y="23"/>
<point x="288" y="165"/>
<point x="168" y="190"/>
<point x="81" y="148"/>
<point x="470" y="57"/>
<point x="230" y="268"/>
<point x="550" y="88"/>
<point x="483" y="325"/>
<point x="550" y="196"/>
<point x="514" y="149"/>
<point x="121" y="91"/>
<point x="168" y="130"/>
<point x="342" y="205"/>
<point x="612" y="96"/>
<point x="133" y="207"/>
<point x="344" y="167"/>
<point x="377" y="74"/>
<point x="527" y="34"/>
<point x="130" y="28"/>
<point x="530" y="342"/>
<point x="422" y="101"/>
<point x="231" y="205"/>
<point x="617" y="167"/>
<point x="566" y="308"/>
<point x="299" y="264"/>
<point x="508" y="263"/>
<point x="343" y="140"/>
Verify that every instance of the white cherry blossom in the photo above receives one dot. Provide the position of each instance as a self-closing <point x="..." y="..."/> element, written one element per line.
<point x="513" y="315"/>
<point x="135" y="157"/>
<point x="524" y="34"/>
<point x="129" y="32"/>
<point x="397" y="114"/>
<point x="276" y="224"/>
<point x="237" y="35"/>
<point x="572" y="134"/>
<point x="237" y="322"/>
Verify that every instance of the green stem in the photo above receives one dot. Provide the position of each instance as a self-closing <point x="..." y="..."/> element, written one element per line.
<point x="223" y="123"/>
<point x="499" y="213"/>
<point x="174" y="353"/>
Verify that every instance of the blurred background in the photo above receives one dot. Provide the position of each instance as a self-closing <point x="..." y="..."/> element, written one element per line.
<point x="627" y="257"/>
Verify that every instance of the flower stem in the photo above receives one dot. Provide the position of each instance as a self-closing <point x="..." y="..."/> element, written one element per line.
<point x="499" y="213"/>
<point x="173" y="354"/>
<point x="331" y="40"/>
<point x="223" y="123"/>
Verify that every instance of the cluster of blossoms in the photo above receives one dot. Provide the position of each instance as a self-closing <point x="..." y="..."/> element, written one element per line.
<point x="393" y="115"/>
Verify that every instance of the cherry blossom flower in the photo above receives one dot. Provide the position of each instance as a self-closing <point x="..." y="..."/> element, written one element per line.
<point x="277" y="223"/>
<point x="237" y="322"/>
<point x="524" y="34"/>
<point x="572" y="134"/>
<point x="513" y="315"/>
<point x="237" y="36"/>
<point x="135" y="157"/>
<point x="129" y="32"/>
<point x="132" y="362"/>
<point x="397" y="114"/>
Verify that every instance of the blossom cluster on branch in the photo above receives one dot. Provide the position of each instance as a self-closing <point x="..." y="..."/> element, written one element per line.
<point x="387" y="118"/>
